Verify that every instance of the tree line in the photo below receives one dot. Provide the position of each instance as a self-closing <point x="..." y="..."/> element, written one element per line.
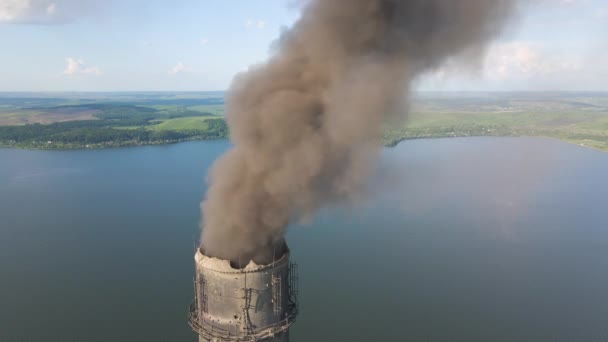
<point x="116" y="126"/>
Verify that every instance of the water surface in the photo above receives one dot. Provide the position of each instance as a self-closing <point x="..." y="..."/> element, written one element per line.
<point x="477" y="239"/>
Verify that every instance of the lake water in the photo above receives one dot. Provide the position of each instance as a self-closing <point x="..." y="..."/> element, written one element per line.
<point x="476" y="239"/>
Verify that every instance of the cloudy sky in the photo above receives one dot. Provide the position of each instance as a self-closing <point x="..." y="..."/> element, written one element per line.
<point x="122" y="45"/>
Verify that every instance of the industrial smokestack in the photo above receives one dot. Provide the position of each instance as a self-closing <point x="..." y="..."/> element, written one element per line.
<point x="306" y="124"/>
<point x="255" y="303"/>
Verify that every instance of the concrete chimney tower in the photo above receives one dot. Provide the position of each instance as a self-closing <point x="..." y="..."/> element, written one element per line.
<point x="254" y="303"/>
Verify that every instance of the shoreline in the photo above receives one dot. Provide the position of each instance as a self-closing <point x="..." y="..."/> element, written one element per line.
<point x="387" y="144"/>
<point x="397" y="142"/>
<point x="106" y="146"/>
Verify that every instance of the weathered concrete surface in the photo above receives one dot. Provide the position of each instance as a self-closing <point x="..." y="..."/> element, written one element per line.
<point x="246" y="304"/>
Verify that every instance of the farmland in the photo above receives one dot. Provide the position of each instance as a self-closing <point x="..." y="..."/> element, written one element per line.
<point x="124" y="119"/>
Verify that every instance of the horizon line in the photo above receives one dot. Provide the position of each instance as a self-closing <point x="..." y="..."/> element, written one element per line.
<point x="225" y="91"/>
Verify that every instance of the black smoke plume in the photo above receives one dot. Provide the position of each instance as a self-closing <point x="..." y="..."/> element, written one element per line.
<point x="306" y="124"/>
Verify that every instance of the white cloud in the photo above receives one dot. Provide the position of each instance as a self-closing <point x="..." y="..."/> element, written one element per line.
<point x="11" y="10"/>
<point x="524" y="60"/>
<point x="204" y="41"/>
<point x="511" y="61"/>
<point x="47" y="12"/>
<point x="179" y="68"/>
<point x="255" y="23"/>
<point x="78" y="67"/>
<point x="522" y="66"/>
<point x="51" y="8"/>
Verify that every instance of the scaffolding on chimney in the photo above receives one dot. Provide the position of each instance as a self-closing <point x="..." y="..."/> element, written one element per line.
<point x="209" y="331"/>
<point x="276" y="294"/>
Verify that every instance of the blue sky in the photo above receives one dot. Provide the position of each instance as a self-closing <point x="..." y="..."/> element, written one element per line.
<point x="197" y="45"/>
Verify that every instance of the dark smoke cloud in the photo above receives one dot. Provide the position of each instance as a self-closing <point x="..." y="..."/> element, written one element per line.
<point x="306" y="125"/>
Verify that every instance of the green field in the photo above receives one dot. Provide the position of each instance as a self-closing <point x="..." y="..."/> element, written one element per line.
<point x="125" y="119"/>
<point x="190" y="123"/>
<point x="212" y="109"/>
<point x="590" y="129"/>
<point x="576" y="118"/>
<point x="102" y="120"/>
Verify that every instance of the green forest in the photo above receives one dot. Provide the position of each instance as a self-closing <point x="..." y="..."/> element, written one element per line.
<point x="113" y="125"/>
<point x="129" y="119"/>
